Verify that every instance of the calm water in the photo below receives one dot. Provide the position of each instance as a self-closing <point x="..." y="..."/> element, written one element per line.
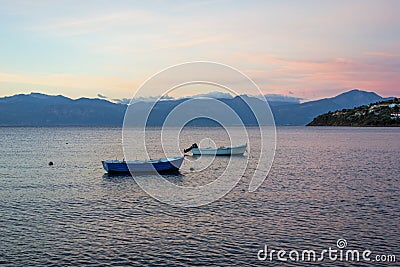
<point x="325" y="184"/>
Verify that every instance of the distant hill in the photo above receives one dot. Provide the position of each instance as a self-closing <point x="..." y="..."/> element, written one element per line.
<point x="37" y="109"/>
<point x="384" y="113"/>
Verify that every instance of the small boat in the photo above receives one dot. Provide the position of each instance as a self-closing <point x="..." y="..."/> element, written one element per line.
<point x="161" y="165"/>
<point x="220" y="151"/>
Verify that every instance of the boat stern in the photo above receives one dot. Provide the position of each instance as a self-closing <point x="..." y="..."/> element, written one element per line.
<point x="105" y="166"/>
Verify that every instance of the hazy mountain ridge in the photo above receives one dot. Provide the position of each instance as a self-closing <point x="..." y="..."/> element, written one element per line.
<point x="277" y="99"/>
<point x="37" y="109"/>
<point x="43" y="110"/>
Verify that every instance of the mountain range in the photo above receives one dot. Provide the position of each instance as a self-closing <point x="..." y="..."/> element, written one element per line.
<point x="37" y="109"/>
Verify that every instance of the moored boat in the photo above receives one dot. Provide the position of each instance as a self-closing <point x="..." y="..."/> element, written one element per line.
<point x="161" y="165"/>
<point x="220" y="151"/>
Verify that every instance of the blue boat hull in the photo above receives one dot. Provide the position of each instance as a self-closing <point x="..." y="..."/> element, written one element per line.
<point x="158" y="166"/>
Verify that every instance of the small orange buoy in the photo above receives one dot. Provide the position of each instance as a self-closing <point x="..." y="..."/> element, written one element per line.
<point x="51" y="163"/>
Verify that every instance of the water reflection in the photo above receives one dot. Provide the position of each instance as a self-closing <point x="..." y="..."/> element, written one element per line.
<point x="325" y="184"/>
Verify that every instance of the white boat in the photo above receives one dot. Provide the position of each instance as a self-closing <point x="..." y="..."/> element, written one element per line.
<point x="160" y="165"/>
<point x="220" y="151"/>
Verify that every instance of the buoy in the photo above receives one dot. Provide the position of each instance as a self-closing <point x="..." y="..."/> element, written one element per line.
<point x="191" y="169"/>
<point x="51" y="163"/>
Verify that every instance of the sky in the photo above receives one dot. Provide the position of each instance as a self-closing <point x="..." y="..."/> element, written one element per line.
<point x="307" y="49"/>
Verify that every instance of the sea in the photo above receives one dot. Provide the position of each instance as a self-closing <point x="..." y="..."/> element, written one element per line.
<point x="332" y="188"/>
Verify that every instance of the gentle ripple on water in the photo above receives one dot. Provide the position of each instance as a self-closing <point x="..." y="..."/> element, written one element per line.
<point x="325" y="184"/>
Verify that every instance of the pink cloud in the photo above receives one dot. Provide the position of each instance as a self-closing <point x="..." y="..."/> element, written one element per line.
<point x="308" y="78"/>
<point x="382" y="54"/>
